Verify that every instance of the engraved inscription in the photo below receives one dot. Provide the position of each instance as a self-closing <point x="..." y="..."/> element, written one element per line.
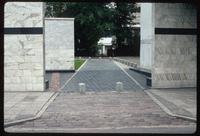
<point x="174" y="76"/>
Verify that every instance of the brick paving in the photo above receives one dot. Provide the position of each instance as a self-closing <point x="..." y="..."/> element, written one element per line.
<point x="57" y="79"/>
<point x="55" y="82"/>
<point x="101" y="109"/>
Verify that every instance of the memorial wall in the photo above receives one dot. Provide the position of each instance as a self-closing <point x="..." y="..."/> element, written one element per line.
<point x="23" y="46"/>
<point x="169" y="43"/>
<point x="59" y="44"/>
<point x="174" y="53"/>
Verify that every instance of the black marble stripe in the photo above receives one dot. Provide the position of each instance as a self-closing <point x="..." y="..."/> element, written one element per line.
<point x="176" y="31"/>
<point x="24" y="30"/>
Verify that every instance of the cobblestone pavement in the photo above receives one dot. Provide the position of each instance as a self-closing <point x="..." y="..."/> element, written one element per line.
<point x="101" y="75"/>
<point x="101" y="110"/>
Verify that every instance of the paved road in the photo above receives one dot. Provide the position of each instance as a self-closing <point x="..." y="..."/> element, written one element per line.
<point x="101" y="75"/>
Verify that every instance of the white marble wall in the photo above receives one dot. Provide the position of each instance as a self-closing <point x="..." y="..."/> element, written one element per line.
<point x="59" y="43"/>
<point x="23" y="53"/>
<point x="147" y="35"/>
<point x="174" y="55"/>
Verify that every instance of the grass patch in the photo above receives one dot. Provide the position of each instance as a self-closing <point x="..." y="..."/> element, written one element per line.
<point x="78" y="63"/>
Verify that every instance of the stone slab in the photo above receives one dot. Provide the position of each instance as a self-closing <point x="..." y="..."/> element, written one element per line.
<point x="175" y="56"/>
<point x="59" y="43"/>
<point x="23" y="53"/>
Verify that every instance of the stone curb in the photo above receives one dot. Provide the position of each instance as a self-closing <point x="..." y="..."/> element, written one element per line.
<point x="41" y="111"/>
<point x="167" y="110"/>
<point x="126" y="62"/>
<point x="134" y="129"/>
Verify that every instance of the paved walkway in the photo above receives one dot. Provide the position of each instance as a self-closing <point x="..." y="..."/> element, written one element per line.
<point x="182" y="101"/>
<point x="101" y="75"/>
<point x="23" y="105"/>
<point x="101" y="110"/>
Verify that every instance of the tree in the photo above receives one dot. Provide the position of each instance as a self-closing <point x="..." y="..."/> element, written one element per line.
<point x="93" y="21"/>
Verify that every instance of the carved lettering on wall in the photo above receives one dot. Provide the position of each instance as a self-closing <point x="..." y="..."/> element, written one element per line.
<point x="173" y="76"/>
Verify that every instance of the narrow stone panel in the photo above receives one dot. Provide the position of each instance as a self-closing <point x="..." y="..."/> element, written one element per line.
<point x="147" y="35"/>
<point x="23" y="48"/>
<point x="59" y="43"/>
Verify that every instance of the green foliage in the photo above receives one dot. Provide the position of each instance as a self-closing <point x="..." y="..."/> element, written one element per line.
<point x="93" y="21"/>
<point x="78" y="63"/>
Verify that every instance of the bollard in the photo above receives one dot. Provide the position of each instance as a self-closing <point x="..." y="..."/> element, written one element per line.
<point x="82" y="88"/>
<point x="119" y="86"/>
<point x="89" y="57"/>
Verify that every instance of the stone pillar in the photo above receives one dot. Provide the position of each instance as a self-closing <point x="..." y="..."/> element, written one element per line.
<point x="23" y="46"/>
<point x="174" y="45"/>
<point x="147" y="35"/>
<point x="59" y="44"/>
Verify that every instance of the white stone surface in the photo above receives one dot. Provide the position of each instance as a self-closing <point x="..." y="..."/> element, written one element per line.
<point x="23" y="14"/>
<point x="147" y="35"/>
<point x="174" y="55"/>
<point x="59" y="43"/>
<point x="175" y="15"/>
<point x="23" y="54"/>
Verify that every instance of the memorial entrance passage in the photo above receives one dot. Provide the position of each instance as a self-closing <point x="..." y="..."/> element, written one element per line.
<point x="168" y="45"/>
<point x="102" y="75"/>
<point x="168" y="51"/>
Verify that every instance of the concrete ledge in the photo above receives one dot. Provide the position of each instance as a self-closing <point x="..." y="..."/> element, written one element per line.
<point x="49" y="71"/>
<point x="134" y="129"/>
<point x="148" y="81"/>
<point x="126" y="62"/>
<point x="142" y="71"/>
